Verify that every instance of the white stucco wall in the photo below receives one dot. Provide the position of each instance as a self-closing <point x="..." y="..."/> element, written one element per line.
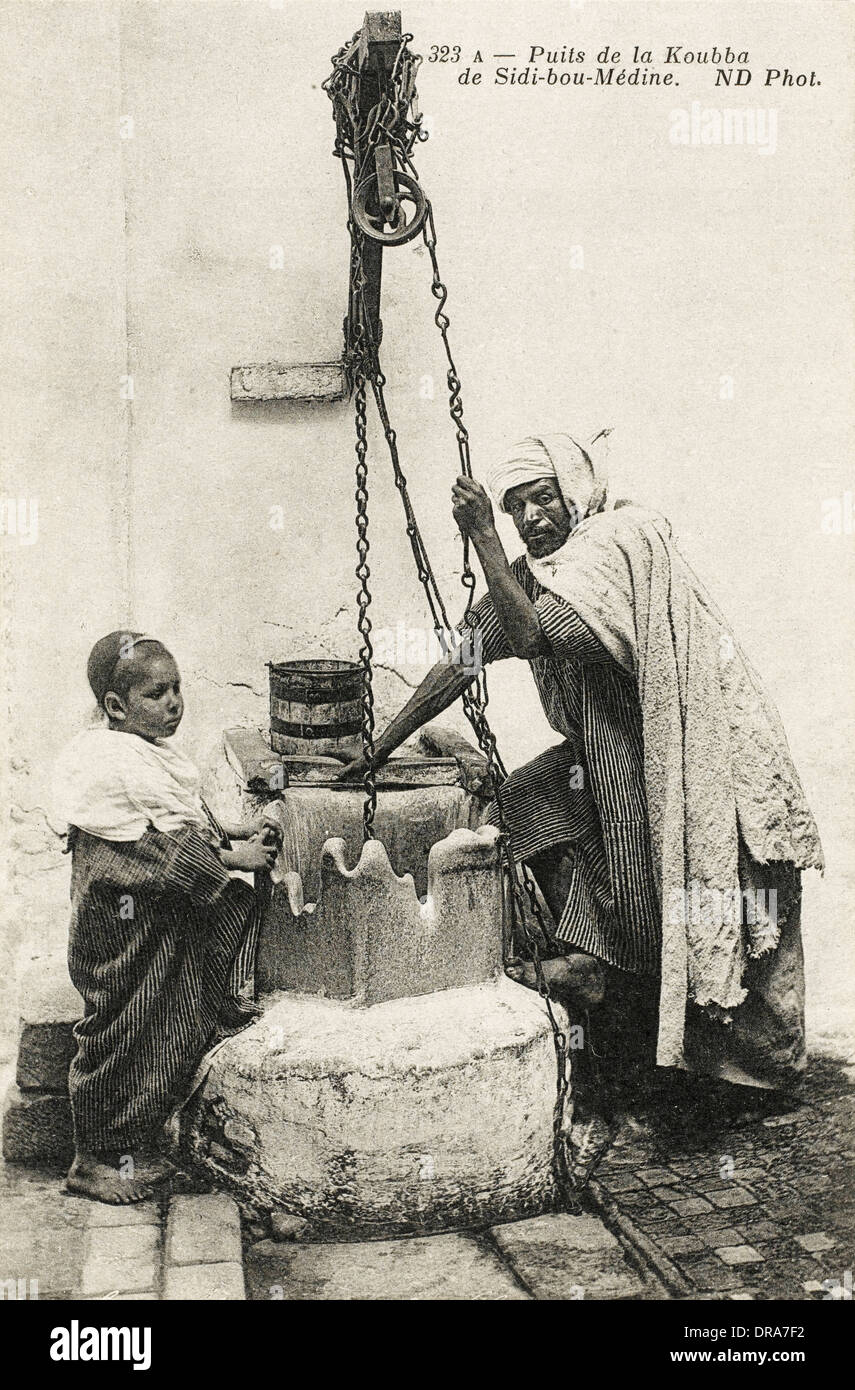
<point x="149" y="256"/>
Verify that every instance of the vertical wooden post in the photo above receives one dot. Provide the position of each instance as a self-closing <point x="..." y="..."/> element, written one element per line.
<point x="378" y="46"/>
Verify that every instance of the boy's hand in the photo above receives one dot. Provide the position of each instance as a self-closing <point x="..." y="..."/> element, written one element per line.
<point x="264" y="825"/>
<point x="254" y="855"/>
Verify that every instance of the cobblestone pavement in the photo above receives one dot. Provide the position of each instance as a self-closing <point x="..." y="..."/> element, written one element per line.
<point x="729" y="1204"/>
<point x="54" y="1246"/>
<point x="560" y="1256"/>
<point x="694" y="1199"/>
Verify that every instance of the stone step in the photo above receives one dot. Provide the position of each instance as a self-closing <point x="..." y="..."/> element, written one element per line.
<point x="50" y="1006"/>
<point x="36" y="1113"/>
<point x="37" y="1127"/>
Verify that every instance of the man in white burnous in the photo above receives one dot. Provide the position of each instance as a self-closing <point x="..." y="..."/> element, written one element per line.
<point x="668" y="829"/>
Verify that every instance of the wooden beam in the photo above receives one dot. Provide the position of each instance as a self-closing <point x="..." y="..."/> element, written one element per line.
<point x="378" y="47"/>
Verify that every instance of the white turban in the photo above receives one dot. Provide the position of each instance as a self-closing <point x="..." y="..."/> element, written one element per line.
<point x="579" y="470"/>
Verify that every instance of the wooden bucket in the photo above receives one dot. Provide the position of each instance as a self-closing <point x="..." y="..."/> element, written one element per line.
<point x="315" y="708"/>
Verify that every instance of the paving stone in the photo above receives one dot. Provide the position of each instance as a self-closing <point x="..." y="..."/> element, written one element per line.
<point x="443" y="1267"/>
<point x="203" y="1230"/>
<point x="54" y="1256"/>
<point x="819" y="1182"/>
<point x="104" y="1274"/>
<point x="721" y="1236"/>
<point x="102" y="1214"/>
<point x="636" y="1200"/>
<point x="622" y="1182"/>
<point x="813" y="1286"/>
<point x="740" y="1255"/>
<point x="574" y="1232"/>
<point x="792" y="1214"/>
<point x="122" y="1242"/>
<point x="562" y="1256"/>
<point x="711" y="1277"/>
<point x="815" y="1242"/>
<point x="681" y="1245"/>
<point x="223" y="1282"/>
<point x="37" y="1127"/>
<point x="656" y="1177"/>
<point x="734" y="1197"/>
<point x="762" y="1230"/>
<point x="691" y="1206"/>
<point x="25" y="1211"/>
<point x="712" y="1220"/>
<point x="670" y="1222"/>
<point x="658" y="1222"/>
<point x="668" y="1194"/>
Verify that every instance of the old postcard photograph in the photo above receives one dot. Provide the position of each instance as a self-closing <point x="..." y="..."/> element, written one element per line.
<point x="427" y="531"/>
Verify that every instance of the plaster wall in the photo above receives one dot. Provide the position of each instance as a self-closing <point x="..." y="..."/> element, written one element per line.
<point x="167" y="156"/>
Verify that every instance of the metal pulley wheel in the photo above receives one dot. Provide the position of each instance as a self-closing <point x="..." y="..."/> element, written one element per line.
<point x="389" y="222"/>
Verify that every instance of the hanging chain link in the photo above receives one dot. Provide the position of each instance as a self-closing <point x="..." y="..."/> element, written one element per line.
<point x="395" y="118"/>
<point x="366" y="650"/>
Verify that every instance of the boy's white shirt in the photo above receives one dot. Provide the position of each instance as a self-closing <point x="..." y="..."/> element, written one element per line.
<point x="116" y="785"/>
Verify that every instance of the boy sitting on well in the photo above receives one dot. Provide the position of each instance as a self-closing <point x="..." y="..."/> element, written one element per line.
<point x="163" y="937"/>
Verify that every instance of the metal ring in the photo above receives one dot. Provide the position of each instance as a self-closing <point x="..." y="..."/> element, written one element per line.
<point x="374" y="224"/>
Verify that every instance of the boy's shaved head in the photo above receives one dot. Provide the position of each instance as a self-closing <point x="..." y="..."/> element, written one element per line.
<point x="118" y="660"/>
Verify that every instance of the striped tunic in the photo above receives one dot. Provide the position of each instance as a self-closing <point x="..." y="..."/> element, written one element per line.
<point x="587" y="793"/>
<point x="161" y="938"/>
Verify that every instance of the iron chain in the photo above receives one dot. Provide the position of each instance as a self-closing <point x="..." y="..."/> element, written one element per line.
<point x="396" y="119"/>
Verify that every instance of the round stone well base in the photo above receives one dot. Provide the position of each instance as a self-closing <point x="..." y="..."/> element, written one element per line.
<point x="418" y="1114"/>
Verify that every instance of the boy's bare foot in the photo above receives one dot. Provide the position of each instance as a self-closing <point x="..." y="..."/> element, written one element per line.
<point x="579" y="974"/>
<point x="88" y="1176"/>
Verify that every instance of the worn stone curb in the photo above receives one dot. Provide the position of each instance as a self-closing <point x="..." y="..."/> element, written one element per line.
<point x="644" y="1252"/>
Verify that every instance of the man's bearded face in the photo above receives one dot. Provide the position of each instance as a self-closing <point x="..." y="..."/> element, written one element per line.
<point x="540" y="515"/>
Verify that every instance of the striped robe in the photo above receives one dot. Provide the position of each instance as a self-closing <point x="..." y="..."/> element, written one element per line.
<point x="613" y="909"/>
<point x="586" y="793"/>
<point x="161" y="936"/>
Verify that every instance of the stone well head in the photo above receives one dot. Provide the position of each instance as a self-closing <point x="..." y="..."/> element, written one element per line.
<point x="416" y="910"/>
<point x="397" y="1080"/>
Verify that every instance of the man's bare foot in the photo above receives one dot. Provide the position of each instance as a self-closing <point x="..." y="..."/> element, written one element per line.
<point x="88" y="1176"/>
<point x="579" y="974"/>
